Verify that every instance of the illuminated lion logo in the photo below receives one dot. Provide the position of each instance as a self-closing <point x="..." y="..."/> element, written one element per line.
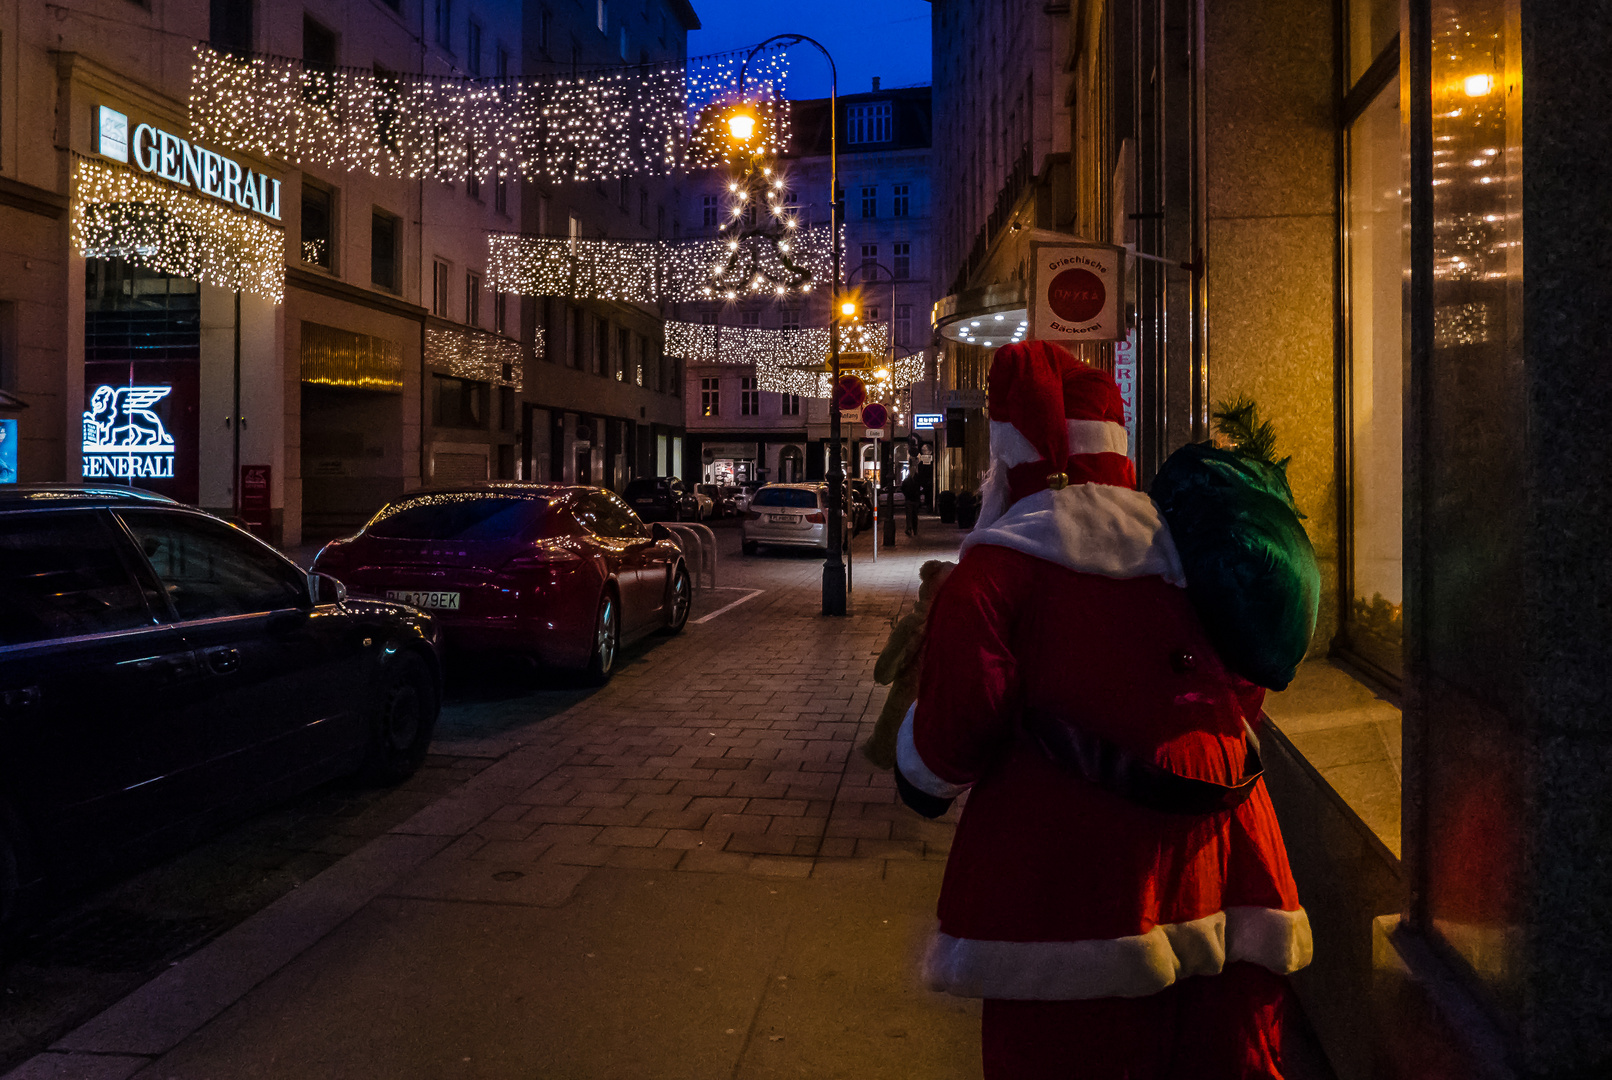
<point x="121" y="417"/>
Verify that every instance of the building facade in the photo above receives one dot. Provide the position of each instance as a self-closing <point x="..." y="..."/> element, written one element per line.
<point x="309" y="341"/>
<point x="735" y="430"/>
<point x="1361" y="215"/>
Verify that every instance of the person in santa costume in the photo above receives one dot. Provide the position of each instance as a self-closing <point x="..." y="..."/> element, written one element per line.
<point x="1118" y="891"/>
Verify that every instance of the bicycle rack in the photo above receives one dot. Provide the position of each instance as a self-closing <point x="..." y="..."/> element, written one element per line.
<point x="699" y="551"/>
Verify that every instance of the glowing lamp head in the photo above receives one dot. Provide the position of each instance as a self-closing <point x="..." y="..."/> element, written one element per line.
<point x="742" y="126"/>
<point x="1478" y="85"/>
<point x="848" y="308"/>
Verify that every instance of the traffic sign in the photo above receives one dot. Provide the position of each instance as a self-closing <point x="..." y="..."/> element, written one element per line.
<point x="876" y="416"/>
<point x="850" y="392"/>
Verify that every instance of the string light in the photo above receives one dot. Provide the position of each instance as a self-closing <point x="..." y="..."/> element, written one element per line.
<point x="471" y="354"/>
<point x="118" y="214"/>
<point x="641" y="271"/>
<point x="644" y="120"/>
<point x="790" y="361"/>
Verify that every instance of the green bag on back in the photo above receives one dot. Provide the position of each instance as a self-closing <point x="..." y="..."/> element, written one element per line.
<point x="1251" y="572"/>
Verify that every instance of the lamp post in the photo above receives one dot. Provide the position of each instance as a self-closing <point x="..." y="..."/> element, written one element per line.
<point x="885" y="475"/>
<point x="834" y="564"/>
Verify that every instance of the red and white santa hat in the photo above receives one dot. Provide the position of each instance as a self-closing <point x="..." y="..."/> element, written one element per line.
<point x="1055" y="422"/>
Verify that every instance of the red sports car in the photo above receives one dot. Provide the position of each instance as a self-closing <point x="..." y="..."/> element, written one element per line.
<point x="563" y="574"/>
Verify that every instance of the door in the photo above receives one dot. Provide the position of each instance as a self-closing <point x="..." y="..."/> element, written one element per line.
<point x="87" y="677"/>
<point x="280" y="682"/>
<point x="617" y="529"/>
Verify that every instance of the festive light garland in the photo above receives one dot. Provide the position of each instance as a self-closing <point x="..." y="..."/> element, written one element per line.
<point x="644" y="120"/>
<point x="118" y="214"/>
<point x="473" y="354"/>
<point x="790" y="361"/>
<point x="642" y="271"/>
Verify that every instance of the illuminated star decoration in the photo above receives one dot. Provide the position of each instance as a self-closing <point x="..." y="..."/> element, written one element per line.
<point x="637" y="271"/>
<point x="118" y="214"/>
<point x="760" y="238"/>
<point x="646" y="119"/>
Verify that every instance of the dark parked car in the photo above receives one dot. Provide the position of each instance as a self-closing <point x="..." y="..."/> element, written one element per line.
<point x="162" y="672"/>
<point x="859" y="506"/>
<point x="561" y="574"/>
<point x="662" y="498"/>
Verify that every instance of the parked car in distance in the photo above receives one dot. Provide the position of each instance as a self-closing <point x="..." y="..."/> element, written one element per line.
<point x="787" y="515"/>
<point x="746" y="490"/>
<point x="562" y="574"/>
<point x="729" y="499"/>
<point x="705" y="506"/>
<point x="720" y="504"/>
<point x="661" y="498"/>
<point x="860" y="504"/>
<point x="163" y="673"/>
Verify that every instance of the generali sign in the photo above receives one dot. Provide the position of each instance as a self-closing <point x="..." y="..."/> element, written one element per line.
<point x="182" y="162"/>
<point x="1076" y="292"/>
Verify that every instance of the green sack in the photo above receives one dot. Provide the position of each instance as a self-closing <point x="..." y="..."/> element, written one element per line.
<point x="1251" y="572"/>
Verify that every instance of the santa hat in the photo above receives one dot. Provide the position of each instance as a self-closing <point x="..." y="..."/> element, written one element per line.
<point x="1055" y="421"/>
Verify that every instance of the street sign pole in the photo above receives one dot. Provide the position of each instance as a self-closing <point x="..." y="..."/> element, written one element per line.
<point x="876" y="488"/>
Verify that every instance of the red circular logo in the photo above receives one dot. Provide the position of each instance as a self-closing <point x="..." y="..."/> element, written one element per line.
<point x="1077" y="295"/>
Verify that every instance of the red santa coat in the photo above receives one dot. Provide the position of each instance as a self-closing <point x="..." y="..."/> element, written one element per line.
<point x="1055" y="888"/>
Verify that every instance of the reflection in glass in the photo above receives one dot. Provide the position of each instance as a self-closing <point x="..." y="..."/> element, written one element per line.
<point x="1376" y="350"/>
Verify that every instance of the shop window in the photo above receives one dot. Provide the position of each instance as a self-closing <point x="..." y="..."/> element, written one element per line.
<point x="383" y="236"/>
<point x="901" y="200"/>
<point x="230" y="26"/>
<point x="473" y="299"/>
<point x="749" y="398"/>
<point x="901" y="262"/>
<point x="440" y="275"/>
<point x="461" y="403"/>
<point x="318" y="225"/>
<point x="1373" y="623"/>
<point x="710" y="398"/>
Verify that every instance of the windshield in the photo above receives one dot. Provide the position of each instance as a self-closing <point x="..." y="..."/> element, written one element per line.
<point x="460" y="515"/>
<point x="797" y="497"/>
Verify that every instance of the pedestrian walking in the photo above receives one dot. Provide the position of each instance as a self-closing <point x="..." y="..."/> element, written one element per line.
<point x="1118" y="891"/>
<point x="912" y="492"/>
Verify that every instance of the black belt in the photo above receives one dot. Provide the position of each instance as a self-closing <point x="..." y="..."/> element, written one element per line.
<point x="1124" y="774"/>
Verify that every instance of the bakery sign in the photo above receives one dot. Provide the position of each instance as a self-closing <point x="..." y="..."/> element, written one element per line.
<point x="180" y="161"/>
<point x="1076" y="292"/>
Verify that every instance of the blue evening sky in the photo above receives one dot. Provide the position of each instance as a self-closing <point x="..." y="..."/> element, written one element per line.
<point x="887" y="38"/>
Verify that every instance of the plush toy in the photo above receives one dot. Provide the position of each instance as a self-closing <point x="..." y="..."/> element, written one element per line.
<point x="898" y="666"/>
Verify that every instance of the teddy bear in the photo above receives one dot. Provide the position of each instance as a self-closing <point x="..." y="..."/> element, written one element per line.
<point x="899" y="664"/>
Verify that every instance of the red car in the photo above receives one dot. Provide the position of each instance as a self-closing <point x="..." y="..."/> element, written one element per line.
<point x="562" y="574"/>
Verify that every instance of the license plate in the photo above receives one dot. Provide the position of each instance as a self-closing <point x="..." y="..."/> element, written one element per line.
<point x="783" y="519"/>
<point x="445" y="601"/>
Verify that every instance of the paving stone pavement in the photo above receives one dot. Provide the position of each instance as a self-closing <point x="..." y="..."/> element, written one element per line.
<point x="732" y="747"/>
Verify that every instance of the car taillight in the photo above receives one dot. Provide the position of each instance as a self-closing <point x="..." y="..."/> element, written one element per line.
<point x="817" y="518"/>
<point x="543" y="554"/>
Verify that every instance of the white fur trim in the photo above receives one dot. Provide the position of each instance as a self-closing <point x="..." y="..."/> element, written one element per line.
<point x="912" y="764"/>
<point x="1092" y="528"/>
<point x="1128" y="967"/>
<point x="1010" y="447"/>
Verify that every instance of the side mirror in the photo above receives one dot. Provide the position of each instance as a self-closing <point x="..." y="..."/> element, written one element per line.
<point x="324" y="589"/>
<point x="657" y="531"/>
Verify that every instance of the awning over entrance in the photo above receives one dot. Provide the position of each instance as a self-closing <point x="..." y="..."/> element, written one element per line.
<point x="989" y="316"/>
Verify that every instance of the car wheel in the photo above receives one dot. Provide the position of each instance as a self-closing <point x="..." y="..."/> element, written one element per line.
<point x="751" y="547"/>
<point x="679" y="600"/>
<point x="403" y="718"/>
<point x="606" y="640"/>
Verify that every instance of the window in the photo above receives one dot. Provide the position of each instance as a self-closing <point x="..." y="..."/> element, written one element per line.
<point x="500" y="312"/>
<point x="870" y="201"/>
<point x="444" y="24"/>
<point x="643" y="208"/>
<point x="674" y="380"/>
<point x="791" y="318"/>
<point x="439" y="288"/>
<point x="623" y="354"/>
<point x="640" y="355"/>
<point x="902" y="261"/>
<point x="660" y="222"/>
<point x="545" y="32"/>
<point x="500" y="189"/>
<point x="575" y="233"/>
<point x="749" y="397"/>
<point x="750" y="318"/>
<point x="62" y="577"/>
<point x="903" y="324"/>
<point x="389" y="95"/>
<point x="319" y="61"/>
<point x="870" y="314"/>
<point x="472" y="178"/>
<point x="473" y="49"/>
<point x="473" y="299"/>
<point x="601" y="347"/>
<point x="708" y="317"/>
<point x="503" y="63"/>
<point x="230" y="26"/>
<point x="383" y="250"/>
<point x="210" y="570"/>
<point x="318" y="225"/>
<point x="791" y="404"/>
<point x="623" y="192"/>
<point x="901" y="200"/>
<point x="461" y="403"/>
<point x="711" y="207"/>
<point x="579" y="344"/>
<point x="623" y="42"/>
<point x="710" y="398"/>
<point x="869" y="123"/>
<point x="870" y="260"/>
<point x="604" y="16"/>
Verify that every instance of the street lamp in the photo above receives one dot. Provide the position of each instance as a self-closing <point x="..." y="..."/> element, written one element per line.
<point x="834" y="564"/>
<point x="741" y="125"/>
